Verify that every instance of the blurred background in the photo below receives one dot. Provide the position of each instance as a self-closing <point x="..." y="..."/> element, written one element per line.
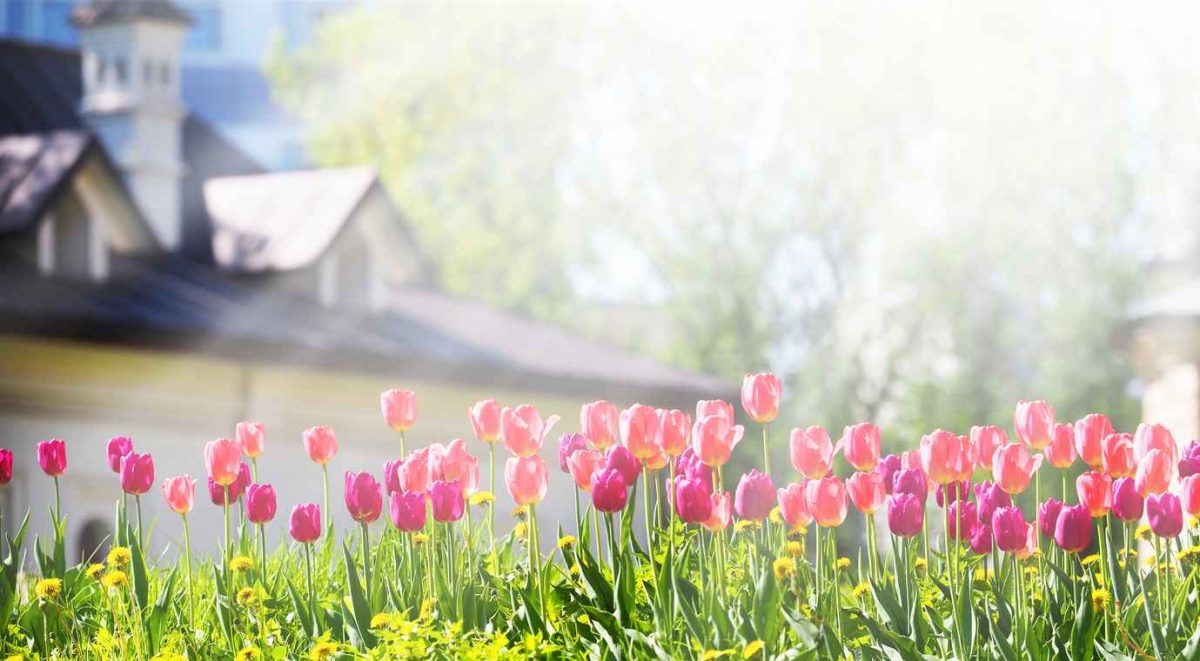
<point x="916" y="214"/>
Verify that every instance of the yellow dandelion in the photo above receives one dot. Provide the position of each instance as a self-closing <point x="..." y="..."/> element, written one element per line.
<point x="247" y="596"/>
<point x="566" y="541"/>
<point x="1031" y="570"/>
<point x="381" y="621"/>
<point x="1090" y="560"/>
<point x="521" y="511"/>
<point x="1099" y="580"/>
<point x="115" y="579"/>
<point x="249" y="654"/>
<point x="583" y="619"/>
<point x="1121" y="564"/>
<point x="322" y="651"/>
<point x="746" y="524"/>
<point x="776" y="516"/>
<point x="921" y="564"/>
<point x="752" y="648"/>
<point x="981" y="575"/>
<point x="241" y="563"/>
<point x="842" y="563"/>
<point x="1142" y="531"/>
<point x="575" y="569"/>
<point x="785" y="568"/>
<point x="794" y="548"/>
<point x="420" y="538"/>
<point x="119" y="556"/>
<point x="94" y="570"/>
<point x="860" y="589"/>
<point x="482" y="498"/>
<point x="48" y="589"/>
<point x="1100" y="599"/>
<point x="1193" y="521"/>
<point x="521" y="531"/>
<point x="798" y="531"/>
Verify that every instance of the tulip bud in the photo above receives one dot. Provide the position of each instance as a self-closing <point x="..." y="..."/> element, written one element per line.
<point x="1189" y="463"/>
<point x="52" y="457"/>
<point x="364" y="496"/>
<point x="887" y="468"/>
<point x="760" y="396"/>
<point x="1013" y="467"/>
<point x="755" y="496"/>
<point x="1034" y="422"/>
<point x="406" y="509"/>
<point x="260" y="503"/>
<point x="524" y="430"/>
<point x="944" y="457"/>
<point x="251" y="438"/>
<point x="674" y="430"/>
<point x="526" y="478"/>
<point x="1073" y="530"/>
<point x="1128" y="503"/>
<point x="1047" y="516"/>
<point x="639" y="430"/>
<point x="722" y="512"/>
<point x="1117" y="455"/>
<point x="1189" y="490"/>
<point x="118" y="447"/>
<point x="827" y="501"/>
<point x="1095" y="492"/>
<point x="861" y="445"/>
<point x="693" y="500"/>
<point x="986" y="440"/>
<point x="1090" y="432"/>
<point x="1060" y="453"/>
<point x="961" y="520"/>
<point x="321" y="444"/>
<point x="137" y="473"/>
<point x="485" y="420"/>
<point x="6" y="466"/>
<point x="981" y="539"/>
<point x="866" y="491"/>
<point x="598" y="421"/>
<point x="305" y="523"/>
<point x="911" y="481"/>
<point x="609" y="490"/>
<point x="179" y="493"/>
<point x="582" y="463"/>
<point x="399" y="408"/>
<point x="1165" y="514"/>
<point x="811" y="451"/>
<point x="446" y="500"/>
<point x="222" y="458"/>
<point x="906" y="515"/>
<point x="793" y="506"/>
<point x="990" y="497"/>
<point x="1009" y="528"/>
<point x="1155" y="472"/>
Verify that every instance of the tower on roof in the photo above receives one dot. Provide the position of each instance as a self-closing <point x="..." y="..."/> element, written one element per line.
<point x="131" y="99"/>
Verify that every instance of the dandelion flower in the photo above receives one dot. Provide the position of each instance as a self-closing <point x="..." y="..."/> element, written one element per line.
<point x="842" y="563"/>
<point x="1100" y="599"/>
<point x="785" y="568"/>
<point x="794" y="548"/>
<point x="241" y="563"/>
<point x="94" y="570"/>
<point x="249" y="654"/>
<point x="860" y="589"/>
<point x="752" y="648"/>
<point x="420" y="538"/>
<point x="119" y="556"/>
<point x="115" y="579"/>
<point x="482" y="498"/>
<point x="566" y="541"/>
<point x="921" y="564"/>
<point x="1090" y="560"/>
<point x="48" y="589"/>
<point x="247" y="596"/>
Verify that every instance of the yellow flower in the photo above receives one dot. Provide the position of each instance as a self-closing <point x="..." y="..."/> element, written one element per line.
<point x="241" y="563"/>
<point x="247" y="596"/>
<point x="1142" y="531"/>
<point x="482" y="498"/>
<point x="521" y="531"/>
<point x="1090" y="560"/>
<point x="1193" y="522"/>
<point x="785" y="568"/>
<point x="921" y="564"/>
<point x="775" y="516"/>
<point x="381" y="621"/>
<point x="794" y="548"/>
<point x="981" y="575"/>
<point x="48" y="589"/>
<point x="119" y="556"/>
<point x="115" y="579"/>
<point x="521" y="511"/>
<point x="746" y="524"/>
<point x="798" y="531"/>
<point x="752" y="648"/>
<point x="323" y="650"/>
<point x="93" y="571"/>
<point x="566" y="541"/>
<point x="1031" y="570"/>
<point x="249" y="654"/>
<point x="860" y="589"/>
<point x="420" y="538"/>
<point x="1100" y="599"/>
<point x="583" y="619"/>
<point x="842" y="563"/>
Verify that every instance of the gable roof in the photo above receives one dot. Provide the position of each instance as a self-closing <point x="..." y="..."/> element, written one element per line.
<point x="33" y="168"/>
<point x="98" y="12"/>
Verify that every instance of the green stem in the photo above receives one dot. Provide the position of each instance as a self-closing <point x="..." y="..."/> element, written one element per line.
<point x="366" y="558"/>
<point x="312" y="595"/>
<point x="646" y="515"/>
<point x="402" y="441"/>
<point x="225" y="508"/>
<point x="187" y="558"/>
<point x="766" y="453"/>
<point x="492" y="490"/>
<point x="328" y="512"/>
<point x="137" y="498"/>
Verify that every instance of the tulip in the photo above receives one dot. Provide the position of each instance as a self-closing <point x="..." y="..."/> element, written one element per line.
<point x="1127" y="502"/>
<point x="52" y="457"/>
<point x="321" y="444"/>
<point x="485" y="420"/>
<point x="251" y="438"/>
<point x="793" y="505"/>
<point x="639" y="430"/>
<point x="524" y="430"/>
<point x="812" y="452"/>
<point x="1189" y="461"/>
<point x="1047" y="516"/>
<point x="453" y="463"/>
<point x="137" y="473"/>
<point x="657" y="461"/>
<point x="945" y="457"/>
<point x="364" y="496"/>
<point x="911" y="481"/>
<point x="866" y="491"/>
<point x="714" y="437"/>
<point x="1031" y="544"/>
<point x="861" y="445"/>
<point x="582" y="463"/>
<point x="990" y="497"/>
<point x="1073" y="529"/>
<point x="1009" y="528"/>
<point x="399" y="409"/>
<point x="118" y="447"/>
<point x="305" y="523"/>
<point x="1155" y="472"/>
<point x="222" y="458"/>
<point x="952" y="492"/>
<point x="722" y="512"/>
<point x="827" y="501"/>
<point x="693" y="500"/>
<point x="598" y="421"/>
<point x="1117" y="455"/>
<point x="412" y="474"/>
<point x="911" y="460"/>
<point x="887" y="468"/>
<point x="1094" y="490"/>
<point x="986" y="440"/>
<point x="391" y="476"/>
<point x="714" y="407"/>
<point x="233" y="492"/>
<point x="526" y="478"/>
<point x="1189" y="491"/>
<point x="1151" y="437"/>
<point x="906" y="515"/>
<point x="1165" y="514"/>
<point x="674" y="430"/>
<point x="610" y="491"/>
<point x="446" y="500"/>
<point x="760" y="396"/>
<point x="179" y="493"/>
<point x="568" y="444"/>
<point x="1013" y="467"/>
<point x="755" y="496"/>
<point x="1034" y="422"/>
<point x="981" y="539"/>
<point x="620" y="458"/>
<point x="1060" y="453"/>
<point x="260" y="503"/>
<point x="406" y="509"/>
<point x="6" y="466"/>
<point x="962" y="519"/>
<point x="967" y="465"/>
<point x="1090" y="432"/>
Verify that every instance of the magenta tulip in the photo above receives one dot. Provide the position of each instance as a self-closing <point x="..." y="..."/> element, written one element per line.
<point x="887" y="468"/>
<point x="1009" y="528"/>
<point x="1047" y="516"/>
<point x="621" y="459"/>
<point x="609" y="490"/>
<point x="52" y="457"/>
<point x="981" y="539"/>
<point x="137" y="473"/>
<point x="1127" y="503"/>
<point x="364" y="496"/>
<point x="118" y="447"/>
<point x="567" y="445"/>
<point x="755" y="496"/>
<point x="305" y="523"/>
<point x="906" y="514"/>
<point x="693" y="500"/>
<point x="1073" y="530"/>
<point x="407" y="510"/>
<point x="260" y="503"/>
<point x="962" y="519"/>
<point x="1165" y="514"/>
<point x="911" y="481"/>
<point x="446" y="499"/>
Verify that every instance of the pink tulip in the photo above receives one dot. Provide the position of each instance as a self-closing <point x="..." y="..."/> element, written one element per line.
<point x="962" y="520"/>
<point x="1189" y="463"/>
<point x="990" y="497"/>
<point x="986" y="440"/>
<point x="412" y="474"/>
<point x="1189" y="493"/>
<point x="1034" y="422"/>
<point x="1094" y="490"/>
<point x="321" y="444"/>
<point x="1128" y="504"/>
<point x="1155" y="472"/>
<point x="866" y="491"/>
<point x="887" y="468"/>
<point x="811" y="451"/>
<point x="981" y="539"/>
<point x="1061" y="451"/>
<point x="639" y="430"/>
<point x="1165" y="514"/>
<point x="674" y="430"/>
<point x="251" y="438"/>
<point x="755" y="496"/>
<point x="305" y="523"/>
<point x="911" y="481"/>
<point x="364" y="496"/>
<point x="693" y="500"/>
<point x="722" y="512"/>
<point x="399" y="409"/>
<point x="689" y="465"/>
<point x="6" y="466"/>
<point x="1013" y="467"/>
<point x="391" y="476"/>
<point x="760" y="396"/>
<point x="406" y="509"/>
<point x="569" y="444"/>
<point x="1073" y="529"/>
<point x="620" y="458"/>
<point x="485" y="420"/>
<point x="1154" y="437"/>
<point x="951" y="493"/>
<point x="906" y="515"/>
<point x="260" y="503"/>
<point x="793" y="505"/>
<point x="1009" y="529"/>
<point x="598" y="421"/>
<point x="609" y="490"/>
<point x="582" y="463"/>
<point x="827" y="501"/>
<point x="714" y="407"/>
<point x="180" y="493"/>
<point x="137" y="473"/>
<point x="52" y="457"/>
<point x="217" y="492"/>
<point x="1047" y="516"/>
<point x="911" y="460"/>
<point x="1117" y="455"/>
<point x="714" y="437"/>
<point x="657" y="461"/>
<point x="861" y="446"/>
<point x="118" y="447"/>
<point x="945" y="457"/>
<point x="453" y="464"/>
<point x="1027" y="550"/>
<point x="223" y="459"/>
<point x="1090" y="432"/>
<point x="523" y="429"/>
<point x="446" y="500"/>
<point x="526" y="478"/>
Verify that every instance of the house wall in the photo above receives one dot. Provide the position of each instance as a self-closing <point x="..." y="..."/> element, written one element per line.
<point x="171" y="403"/>
<point x="1166" y="355"/>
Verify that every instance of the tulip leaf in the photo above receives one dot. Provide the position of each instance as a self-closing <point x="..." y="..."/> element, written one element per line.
<point x="360" y="617"/>
<point x="905" y="647"/>
<point x="1083" y="632"/>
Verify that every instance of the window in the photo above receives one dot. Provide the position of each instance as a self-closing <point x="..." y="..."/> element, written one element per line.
<point x="56" y="22"/>
<point x="120" y="70"/>
<point x="205" y="32"/>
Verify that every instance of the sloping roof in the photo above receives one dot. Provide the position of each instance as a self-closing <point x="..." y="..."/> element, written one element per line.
<point x="33" y="168"/>
<point x="1181" y="301"/>
<point x="113" y="11"/>
<point x="281" y="220"/>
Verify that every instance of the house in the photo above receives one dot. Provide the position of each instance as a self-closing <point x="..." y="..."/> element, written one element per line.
<point x="156" y="282"/>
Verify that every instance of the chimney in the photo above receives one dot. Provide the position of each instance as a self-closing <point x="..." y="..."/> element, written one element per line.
<point x="131" y="99"/>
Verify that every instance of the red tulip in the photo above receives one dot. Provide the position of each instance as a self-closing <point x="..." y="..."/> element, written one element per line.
<point x="986" y="440"/>
<point x="406" y="509"/>
<point x="866" y="491"/>
<point x="399" y="409"/>
<point x="485" y="420"/>
<point x="524" y="430"/>
<point x="827" y="501"/>
<point x="179" y="493"/>
<point x="714" y="437"/>
<point x="598" y="421"/>
<point x="639" y="430"/>
<point x="674" y="429"/>
<point x="812" y="452"/>
<point x="52" y="457"/>
<point x="1060" y="453"/>
<point x="364" y="496"/>
<point x="260" y="503"/>
<point x="1013" y="467"/>
<point x="305" y="523"/>
<point x="321" y="444"/>
<point x="222" y="458"/>
<point x="755" y="496"/>
<point x="526" y="478"/>
<point x="137" y="473"/>
<point x="1090" y="432"/>
<point x="760" y="396"/>
<point x="793" y="505"/>
<point x="118" y="447"/>
<point x="861" y="445"/>
<point x="1034" y="422"/>
<point x="1095" y="492"/>
<point x="1117" y="455"/>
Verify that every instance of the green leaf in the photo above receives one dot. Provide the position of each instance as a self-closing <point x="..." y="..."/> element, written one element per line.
<point x="360" y="618"/>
